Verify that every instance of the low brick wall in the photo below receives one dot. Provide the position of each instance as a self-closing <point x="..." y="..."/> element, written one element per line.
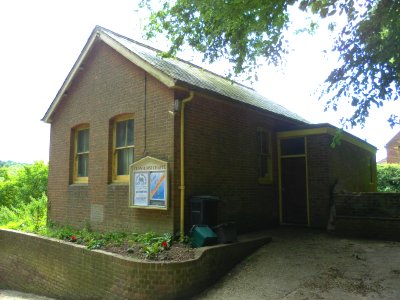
<point x="369" y="215"/>
<point x="62" y="270"/>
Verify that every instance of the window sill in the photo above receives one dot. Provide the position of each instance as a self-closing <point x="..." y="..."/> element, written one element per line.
<point x="151" y="207"/>
<point x="119" y="182"/>
<point x="79" y="183"/>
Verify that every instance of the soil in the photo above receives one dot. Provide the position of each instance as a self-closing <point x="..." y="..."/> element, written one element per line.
<point x="177" y="252"/>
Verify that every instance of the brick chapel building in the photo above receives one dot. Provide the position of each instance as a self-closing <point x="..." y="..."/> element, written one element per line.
<point x="135" y="136"/>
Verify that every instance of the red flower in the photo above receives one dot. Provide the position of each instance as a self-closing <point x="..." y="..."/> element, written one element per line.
<point x="73" y="238"/>
<point x="164" y="244"/>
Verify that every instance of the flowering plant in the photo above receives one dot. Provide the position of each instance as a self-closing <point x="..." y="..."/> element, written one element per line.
<point x="73" y="238"/>
<point x="164" y="244"/>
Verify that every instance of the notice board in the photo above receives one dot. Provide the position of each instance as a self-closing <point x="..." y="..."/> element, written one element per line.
<point x="148" y="187"/>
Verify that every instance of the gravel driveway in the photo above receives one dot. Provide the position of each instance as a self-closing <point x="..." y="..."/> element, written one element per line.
<point x="310" y="264"/>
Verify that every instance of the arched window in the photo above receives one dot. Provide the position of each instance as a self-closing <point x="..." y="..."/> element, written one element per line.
<point x="264" y="156"/>
<point x="123" y="146"/>
<point x="81" y="154"/>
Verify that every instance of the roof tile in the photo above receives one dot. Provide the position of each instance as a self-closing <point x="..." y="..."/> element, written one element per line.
<point x="183" y="71"/>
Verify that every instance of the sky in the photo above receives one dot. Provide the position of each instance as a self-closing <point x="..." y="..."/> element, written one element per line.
<point x="42" y="39"/>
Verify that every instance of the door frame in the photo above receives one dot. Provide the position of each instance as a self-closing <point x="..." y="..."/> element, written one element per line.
<point x="284" y="136"/>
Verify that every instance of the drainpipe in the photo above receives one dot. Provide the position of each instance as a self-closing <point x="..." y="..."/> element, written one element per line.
<point x="182" y="167"/>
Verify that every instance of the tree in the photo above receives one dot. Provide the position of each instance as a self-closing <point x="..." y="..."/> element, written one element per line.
<point x="31" y="182"/>
<point x="388" y="178"/>
<point x="20" y="184"/>
<point x="245" y="31"/>
<point x="369" y="48"/>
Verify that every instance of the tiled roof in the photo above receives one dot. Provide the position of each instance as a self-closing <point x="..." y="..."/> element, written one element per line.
<point x="182" y="71"/>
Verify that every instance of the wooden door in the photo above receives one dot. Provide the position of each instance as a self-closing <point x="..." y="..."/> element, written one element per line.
<point x="293" y="181"/>
<point x="294" y="191"/>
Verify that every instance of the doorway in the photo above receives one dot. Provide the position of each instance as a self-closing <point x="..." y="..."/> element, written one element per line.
<point x="294" y="207"/>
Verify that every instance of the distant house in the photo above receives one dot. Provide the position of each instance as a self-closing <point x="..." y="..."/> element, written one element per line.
<point x="134" y="137"/>
<point x="393" y="150"/>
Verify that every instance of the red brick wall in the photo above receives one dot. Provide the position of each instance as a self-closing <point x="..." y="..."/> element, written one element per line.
<point x="346" y="163"/>
<point x="368" y="215"/>
<point x="393" y="150"/>
<point x="354" y="167"/>
<point x="220" y="150"/>
<point x="67" y="271"/>
<point x="221" y="160"/>
<point x="220" y="145"/>
<point x="108" y="85"/>
<point x="319" y="183"/>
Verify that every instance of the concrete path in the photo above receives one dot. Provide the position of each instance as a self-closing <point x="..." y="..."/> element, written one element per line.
<point x="308" y="264"/>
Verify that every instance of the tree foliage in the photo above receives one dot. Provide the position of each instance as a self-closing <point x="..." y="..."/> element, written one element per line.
<point x="20" y="183"/>
<point x="244" y="31"/>
<point x="31" y="217"/>
<point x="23" y="196"/>
<point x="240" y="31"/>
<point x="389" y="178"/>
<point x="369" y="48"/>
<point x="7" y="163"/>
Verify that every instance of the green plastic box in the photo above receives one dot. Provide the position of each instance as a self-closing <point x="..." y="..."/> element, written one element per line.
<point x="202" y="235"/>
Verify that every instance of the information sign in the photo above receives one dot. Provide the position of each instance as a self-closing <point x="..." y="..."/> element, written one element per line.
<point x="149" y="183"/>
<point x="141" y="188"/>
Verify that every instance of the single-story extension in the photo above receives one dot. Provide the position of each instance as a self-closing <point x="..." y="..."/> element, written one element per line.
<point x="138" y="141"/>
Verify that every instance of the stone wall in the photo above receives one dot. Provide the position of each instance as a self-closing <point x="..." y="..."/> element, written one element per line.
<point x="372" y="215"/>
<point x="64" y="270"/>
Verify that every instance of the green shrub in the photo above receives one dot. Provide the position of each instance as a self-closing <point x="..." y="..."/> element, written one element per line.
<point x="18" y="183"/>
<point x="23" y="197"/>
<point x="31" y="217"/>
<point x="153" y="243"/>
<point x="388" y="178"/>
<point x="8" y="215"/>
<point x="62" y="233"/>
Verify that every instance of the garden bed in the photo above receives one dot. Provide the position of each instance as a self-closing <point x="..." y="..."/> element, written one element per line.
<point x="176" y="252"/>
<point x="59" y="268"/>
<point x="145" y="246"/>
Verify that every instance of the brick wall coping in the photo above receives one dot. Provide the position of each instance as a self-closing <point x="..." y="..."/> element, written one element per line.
<point x="367" y="218"/>
<point x="58" y="269"/>
<point x="366" y="193"/>
<point x="250" y="238"/>
<point x="368" y="205"/>
<point x="368" y="215"/>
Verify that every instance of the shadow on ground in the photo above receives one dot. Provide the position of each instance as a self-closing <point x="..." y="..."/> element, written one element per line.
<point x="310" y="264"/>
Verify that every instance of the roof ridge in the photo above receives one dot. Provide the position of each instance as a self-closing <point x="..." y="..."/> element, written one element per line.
<point x="173" y="71"/>
<point x="98" y="27"/>
<point x="127" y="38"/>
<point x="180" y="69"/>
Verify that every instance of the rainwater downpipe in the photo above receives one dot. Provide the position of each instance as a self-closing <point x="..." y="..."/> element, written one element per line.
<point x="182" y="164"/>
<point x="145" y="114"/>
